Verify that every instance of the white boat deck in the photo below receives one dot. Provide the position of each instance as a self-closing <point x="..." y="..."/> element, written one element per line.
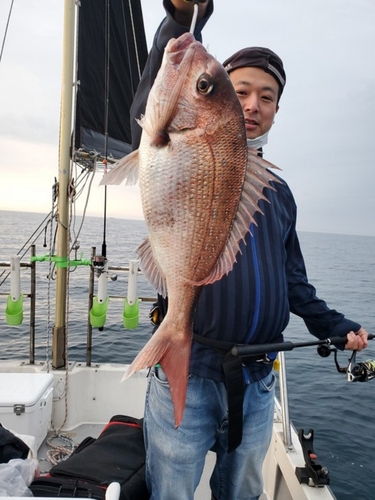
<point x="86" y="398"/>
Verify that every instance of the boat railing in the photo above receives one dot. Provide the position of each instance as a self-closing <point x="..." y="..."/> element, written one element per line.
<point x="32" y="294"/>
<point x="281" y="406"/>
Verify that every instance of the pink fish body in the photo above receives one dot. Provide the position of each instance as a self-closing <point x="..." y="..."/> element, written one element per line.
<point x="200" y="187"/>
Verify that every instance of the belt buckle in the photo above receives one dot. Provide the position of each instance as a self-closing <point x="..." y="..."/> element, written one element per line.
<point x="265" y="359"/>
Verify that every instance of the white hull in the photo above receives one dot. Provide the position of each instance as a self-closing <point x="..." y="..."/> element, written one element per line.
<point x="87" y="397"/>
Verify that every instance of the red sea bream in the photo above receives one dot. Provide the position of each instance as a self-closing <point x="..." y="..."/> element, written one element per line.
<point x="200" y="186"/>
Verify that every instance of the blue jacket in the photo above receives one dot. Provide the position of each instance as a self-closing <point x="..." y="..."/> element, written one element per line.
<point x="251" y="305"/>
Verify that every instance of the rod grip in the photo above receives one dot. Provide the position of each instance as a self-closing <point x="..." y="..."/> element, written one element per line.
<point x="341" y="341"/>
<point x="257" y="350"/>
<point x="338" y="341"/>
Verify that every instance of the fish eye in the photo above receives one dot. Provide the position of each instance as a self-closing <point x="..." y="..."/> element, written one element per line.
<point x="205" y="84"/>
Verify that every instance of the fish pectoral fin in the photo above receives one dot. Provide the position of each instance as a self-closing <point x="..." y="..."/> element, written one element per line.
<point x="126" y="168"/>
<point x="150" y="355"/>
<point x="150" y="269"/>
<point x="172" y="351"/>
<point x="257" y="175"/>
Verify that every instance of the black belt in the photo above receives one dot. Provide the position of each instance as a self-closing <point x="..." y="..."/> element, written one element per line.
<point x="233" y="372"/>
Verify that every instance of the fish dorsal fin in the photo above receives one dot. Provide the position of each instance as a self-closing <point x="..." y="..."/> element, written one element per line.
<point x="126" y="168"/>
<point x="257" y="177"/>
<point x="150" y="268"/>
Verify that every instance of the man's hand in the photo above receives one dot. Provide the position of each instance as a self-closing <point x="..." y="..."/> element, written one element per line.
<point x="356" y="341"/>
<point x="184" y="10"/>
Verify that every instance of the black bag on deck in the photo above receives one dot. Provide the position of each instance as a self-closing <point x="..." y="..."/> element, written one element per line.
<point x="117" y="455"/>
<point x="11" y="446"/>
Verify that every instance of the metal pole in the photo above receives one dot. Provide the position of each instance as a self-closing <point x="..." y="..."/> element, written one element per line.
<point x="59" y="330"/>
<point x="284" y="401"/>
<point x="32" y="306"/>
<point x="91" y="300"/>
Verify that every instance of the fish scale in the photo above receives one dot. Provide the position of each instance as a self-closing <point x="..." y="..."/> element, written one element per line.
<point x="200" y="186"/>
<point x="184" y="214"/>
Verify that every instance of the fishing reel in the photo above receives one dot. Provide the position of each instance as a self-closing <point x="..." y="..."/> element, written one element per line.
<point x="361" y="371"/>
<point x="99" y="264"/>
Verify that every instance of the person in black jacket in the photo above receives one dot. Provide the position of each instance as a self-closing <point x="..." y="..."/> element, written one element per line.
<point x="250" y="305"/>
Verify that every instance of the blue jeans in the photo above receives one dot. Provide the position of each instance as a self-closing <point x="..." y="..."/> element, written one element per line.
<point x="175" y="456"/>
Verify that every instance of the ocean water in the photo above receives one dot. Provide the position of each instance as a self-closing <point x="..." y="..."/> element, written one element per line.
<point x="341" y="267"/>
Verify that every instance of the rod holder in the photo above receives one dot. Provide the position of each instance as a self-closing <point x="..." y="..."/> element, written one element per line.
<point x="131" y="314"/>
<point x="98" y="313"/>
<point x="102" y="288"/>
<point x="131" y="306"/>
<point x="14" y="309"/>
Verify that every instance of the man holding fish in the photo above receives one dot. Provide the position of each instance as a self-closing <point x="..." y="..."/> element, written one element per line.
<point x="223" y="248"/>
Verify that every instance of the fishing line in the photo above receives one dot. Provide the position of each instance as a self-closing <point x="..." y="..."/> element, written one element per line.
<point x="26" y="246"/>
<point x="6" y="30"/>
<point x="76" y="235"/>
<point x="106" y="114"/>
<point x="73" y="195"/>
<point x="135" y="44"/>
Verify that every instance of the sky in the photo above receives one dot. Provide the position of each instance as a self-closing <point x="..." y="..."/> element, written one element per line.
<point x="322" y="139"/>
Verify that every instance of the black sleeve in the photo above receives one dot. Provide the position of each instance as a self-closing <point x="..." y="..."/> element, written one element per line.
<point x="168" y="29"/>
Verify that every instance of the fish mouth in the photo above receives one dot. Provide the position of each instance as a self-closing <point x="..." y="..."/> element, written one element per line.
<point x="179" y="56"/>
<point x="177" y="48"/>
<point x="179" y="53"/>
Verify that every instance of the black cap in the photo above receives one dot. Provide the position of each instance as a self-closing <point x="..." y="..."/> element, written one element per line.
<point x="258" y="57"/>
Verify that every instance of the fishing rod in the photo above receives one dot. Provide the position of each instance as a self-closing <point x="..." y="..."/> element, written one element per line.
<point x="355" y="371"/>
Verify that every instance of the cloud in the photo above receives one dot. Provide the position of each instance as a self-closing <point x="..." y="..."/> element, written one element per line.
<point x="322" y="138"/>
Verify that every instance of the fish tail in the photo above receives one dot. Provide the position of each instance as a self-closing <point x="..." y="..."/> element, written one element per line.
<point x="172" y="351"/>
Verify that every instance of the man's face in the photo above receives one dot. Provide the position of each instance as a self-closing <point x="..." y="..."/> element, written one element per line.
<point x="258" y="94"/>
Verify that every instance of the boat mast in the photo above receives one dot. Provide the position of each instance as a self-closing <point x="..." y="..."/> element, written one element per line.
<point x="59" y="329"/>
